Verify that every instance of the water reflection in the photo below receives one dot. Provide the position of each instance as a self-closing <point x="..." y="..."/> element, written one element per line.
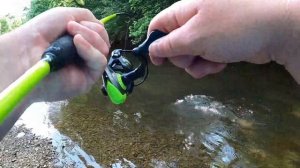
<point x="244" y="117"/>
<point x="68" y="153"/>
<point x="212" y="125"/>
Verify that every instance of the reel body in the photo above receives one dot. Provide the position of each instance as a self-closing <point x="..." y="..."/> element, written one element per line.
<point x="120" y="75"/>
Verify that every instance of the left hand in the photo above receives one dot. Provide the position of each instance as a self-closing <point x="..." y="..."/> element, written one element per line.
<point x="90" y="38"/>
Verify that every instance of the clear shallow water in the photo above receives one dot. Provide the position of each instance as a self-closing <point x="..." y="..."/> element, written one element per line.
<point x="247" y="116"/>
<point x="68" y="152"/>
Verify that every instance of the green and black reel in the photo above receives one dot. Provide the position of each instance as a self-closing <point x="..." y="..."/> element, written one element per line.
<point x="120" y="76"/>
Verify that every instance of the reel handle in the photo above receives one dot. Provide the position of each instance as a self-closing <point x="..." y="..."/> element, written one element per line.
<point x="143" y="49"/>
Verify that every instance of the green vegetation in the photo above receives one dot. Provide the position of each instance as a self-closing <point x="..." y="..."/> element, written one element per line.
<point x="4" y="26"/>
<point x="140" y="13"/>
<point x="39" y="6"/>
<point x="9" y="23"/>
<point x="144" y="11"/>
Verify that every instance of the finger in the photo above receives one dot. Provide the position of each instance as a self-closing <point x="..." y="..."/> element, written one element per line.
<point x="57" y="19"/>
<point x="259" y="58"/>
<point x="157" y="61"/>
<point x="80" y="14"/>
<point x="292" y="66"/>
<point x="98" y="28"/>
<point x="178" y="42"/>
<point x="95" y="60"/>
<point x="175" y="16"/>
<point x="201" y="68"/>
<point x="183" y="61"/>
<point x="74" y="79"/>
<point x="91" y="36"/>
<point x="70" y="79"/>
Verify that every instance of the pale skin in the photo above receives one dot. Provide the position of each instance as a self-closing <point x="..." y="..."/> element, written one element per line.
<point x="22" y="48"/>
<point x="205" y="35"/>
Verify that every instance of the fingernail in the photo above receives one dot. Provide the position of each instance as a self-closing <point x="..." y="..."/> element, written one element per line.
<point x="157" y="61"/>
<point x="73" y="23"/>
<point x="153" y="48"/>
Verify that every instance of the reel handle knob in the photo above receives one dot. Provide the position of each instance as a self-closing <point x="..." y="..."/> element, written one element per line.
<point x="143" y="49"/>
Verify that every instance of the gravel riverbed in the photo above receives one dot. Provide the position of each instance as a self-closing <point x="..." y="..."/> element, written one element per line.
<point x="21" y="148"/>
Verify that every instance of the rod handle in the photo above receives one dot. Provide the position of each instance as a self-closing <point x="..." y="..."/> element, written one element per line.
<point x="62" y="52"/>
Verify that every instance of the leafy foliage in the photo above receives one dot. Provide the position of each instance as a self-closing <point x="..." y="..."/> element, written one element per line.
<point x="39" y="6"/>
<point x="144" y="11"/>
<point x="4" y="26"/>
<point x="80" y="2"/>
<point x="9" y="23"/>
<point x="140" y="13"/>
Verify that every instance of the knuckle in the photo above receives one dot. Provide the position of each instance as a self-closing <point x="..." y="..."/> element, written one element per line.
<point x="105" y="50"/>
<point x="87" y="12"/>
<point x="152" y="23"/>
<point x="103" y="60"/>
<point x="169" y="45"/>
<point x="99" y="28"/>
<point x="69" y="18"/>
<point x="93" y="37"/>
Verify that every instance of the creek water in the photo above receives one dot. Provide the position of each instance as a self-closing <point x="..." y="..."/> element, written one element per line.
<point x="246" y="116"/>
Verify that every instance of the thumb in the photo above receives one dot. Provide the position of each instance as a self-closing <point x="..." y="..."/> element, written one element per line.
<point x="175" y="16"/>
<point x="177" y="42"/>
<point x="292" y="67"/>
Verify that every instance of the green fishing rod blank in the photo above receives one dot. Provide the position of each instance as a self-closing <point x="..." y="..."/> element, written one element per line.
<point x="108" y="18"/>
<point x="60" y="53"/>
<point x="12" y="95"/>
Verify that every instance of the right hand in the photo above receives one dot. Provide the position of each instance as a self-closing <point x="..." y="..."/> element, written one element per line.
<point x="206" y="35"/>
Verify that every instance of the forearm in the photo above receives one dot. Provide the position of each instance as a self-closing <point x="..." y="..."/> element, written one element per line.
<point x="12" y="54"/>
<point x="12" y="66"/>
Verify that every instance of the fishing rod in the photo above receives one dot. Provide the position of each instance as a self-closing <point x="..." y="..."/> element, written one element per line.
<point x="118" y="79"/>
<point x="60" y="53"/>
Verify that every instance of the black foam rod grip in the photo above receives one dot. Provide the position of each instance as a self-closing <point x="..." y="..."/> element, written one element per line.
<point x="143" y="49"/>
<point x="61" y="52"/>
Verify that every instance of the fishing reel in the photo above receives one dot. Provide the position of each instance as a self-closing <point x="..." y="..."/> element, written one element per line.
<point x="120" y="76"/>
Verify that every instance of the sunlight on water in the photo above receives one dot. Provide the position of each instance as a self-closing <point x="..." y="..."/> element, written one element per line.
<point x="213" y="130"/>
<point x="36" y="118"/>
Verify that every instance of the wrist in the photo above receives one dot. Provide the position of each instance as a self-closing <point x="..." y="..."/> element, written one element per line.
<point x="9" y="61"/>
<point x="30" y="43"/>
<point x="16" y="50"/>
<point x="14" y="59"/>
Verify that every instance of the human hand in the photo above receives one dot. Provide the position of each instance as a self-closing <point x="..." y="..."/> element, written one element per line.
<point x="90" y="39"/>
<point x="205" y="35"/>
